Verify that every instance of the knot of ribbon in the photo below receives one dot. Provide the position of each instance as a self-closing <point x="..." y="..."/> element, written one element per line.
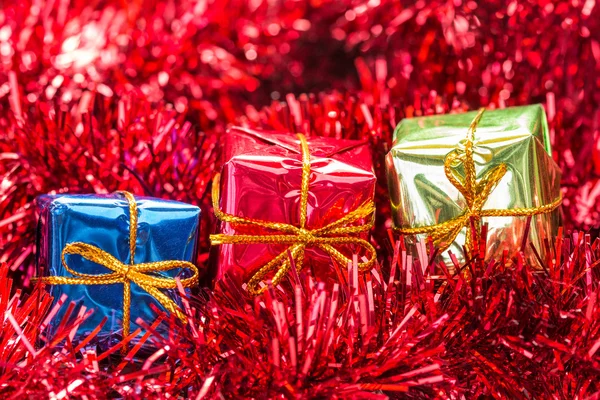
<point x="126" y="273"/>
<point x="298" y="238"/>
<point x="476" y="192"/>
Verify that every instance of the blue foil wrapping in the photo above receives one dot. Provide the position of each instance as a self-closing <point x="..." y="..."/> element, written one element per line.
<point x="167" y="230"/>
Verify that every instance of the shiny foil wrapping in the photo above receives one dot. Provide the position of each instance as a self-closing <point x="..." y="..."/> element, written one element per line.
<point x="422" y="195"/>
<point x="167" y="230"/>
<point x="261" y="178"/>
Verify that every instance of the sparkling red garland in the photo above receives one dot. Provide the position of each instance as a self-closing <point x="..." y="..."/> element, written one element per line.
<point x="508" y="332"/>
<point x="83" y="88"/>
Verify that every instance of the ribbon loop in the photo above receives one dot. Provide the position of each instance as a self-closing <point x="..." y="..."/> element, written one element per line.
<point x="476" y="194"/>
<point x="126" y="273"/>
<point x="298" y="238"/>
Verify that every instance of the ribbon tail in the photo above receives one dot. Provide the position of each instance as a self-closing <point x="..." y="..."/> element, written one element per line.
<point x="344" y="260"/>
<point x="164" y="300"/>
<point x="281" y="263"/>
<point x="447" y="232"/>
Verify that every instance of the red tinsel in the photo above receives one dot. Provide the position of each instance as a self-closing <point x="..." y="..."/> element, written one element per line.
<point x="99" y="96"/>
<point x="201" y="56"/>
<point x="507" y="332"/>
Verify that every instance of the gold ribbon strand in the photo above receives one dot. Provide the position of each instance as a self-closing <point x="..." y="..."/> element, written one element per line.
<point x="476" y="193"/>
<point x="298" y="238"/>
<point x="126" y="273"/>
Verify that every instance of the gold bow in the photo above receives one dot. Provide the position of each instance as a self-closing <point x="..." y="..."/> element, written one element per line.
<point x="476" y="194"/>
<point x="298" y="238"/>
<point x="126" y="274"/>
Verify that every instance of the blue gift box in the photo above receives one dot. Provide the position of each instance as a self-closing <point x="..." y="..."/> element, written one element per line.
<point x="166" y="230"/>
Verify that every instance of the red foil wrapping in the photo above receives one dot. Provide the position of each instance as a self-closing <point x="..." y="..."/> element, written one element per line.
<point x="261" y="179"/>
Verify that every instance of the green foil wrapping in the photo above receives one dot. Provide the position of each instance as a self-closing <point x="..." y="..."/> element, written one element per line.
<point x="422" y="195"/>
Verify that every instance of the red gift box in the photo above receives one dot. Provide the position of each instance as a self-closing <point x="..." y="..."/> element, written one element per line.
<point x="261" y="186"/>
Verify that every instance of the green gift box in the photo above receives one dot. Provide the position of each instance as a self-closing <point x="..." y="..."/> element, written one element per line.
<point x="448" y="174"/>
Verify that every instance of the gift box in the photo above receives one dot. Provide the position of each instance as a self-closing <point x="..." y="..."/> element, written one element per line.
<point x="284" y="201"/>
<point x="449" y="174"/>
<point x="116" y="247"/>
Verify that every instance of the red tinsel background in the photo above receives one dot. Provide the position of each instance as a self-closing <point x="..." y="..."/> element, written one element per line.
<point x="102" y="95"/>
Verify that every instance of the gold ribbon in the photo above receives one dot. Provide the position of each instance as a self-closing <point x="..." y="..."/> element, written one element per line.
<point x="476" y="193"/>
<point x="298" y="238"/>
<point x="126" y="274"/>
